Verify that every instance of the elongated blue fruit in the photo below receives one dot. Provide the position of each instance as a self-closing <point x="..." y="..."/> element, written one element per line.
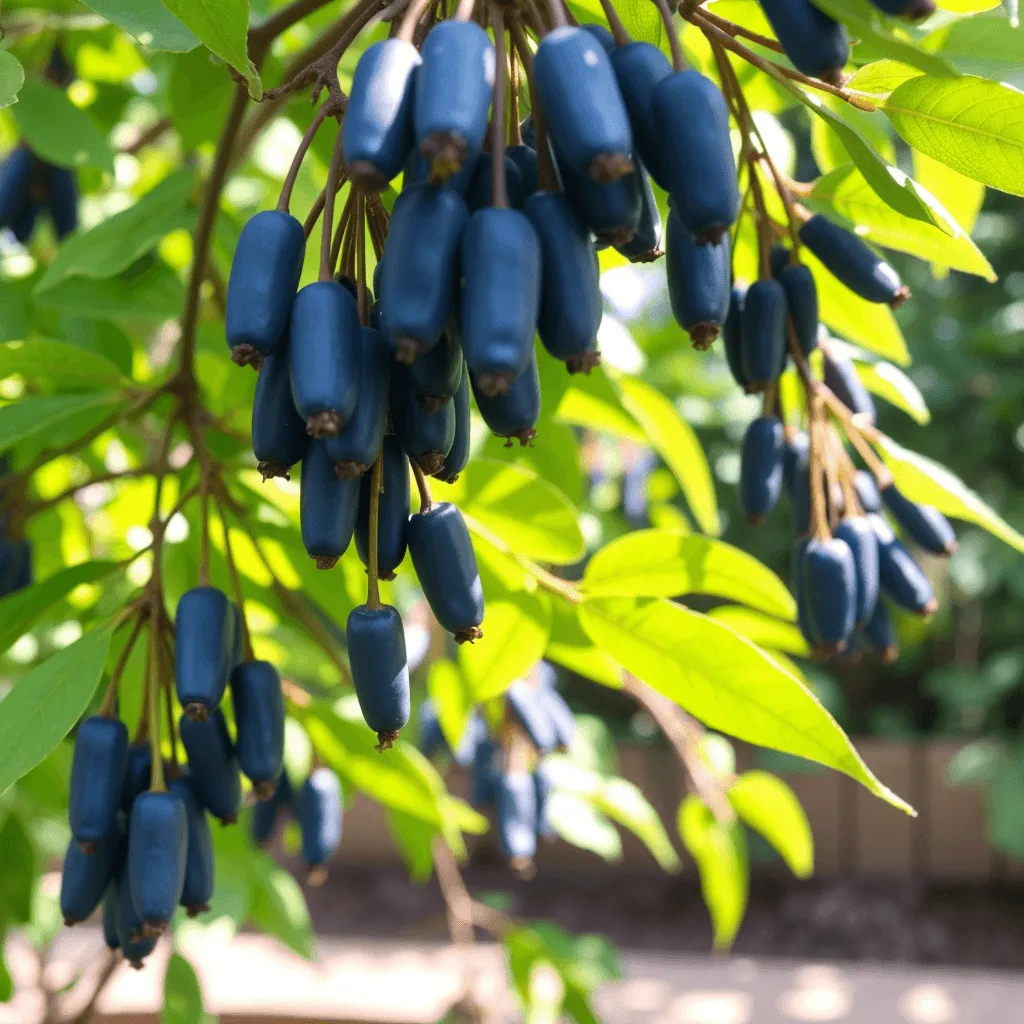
<point x="761" y="468"/>
<point x="131" y="937"/>
<point x="851" y="261"/>
<point x="264" y="278"/>
<point x="570" y="299"/>
<point x="204" y="642"/>
<point x="197" y="887"/>
<point x="879" y="634"/>
<point x="529" y="707"/>
<point x="732" y="336"/>
<point x="380" y="669"/>
<point x="25" y="222"/>
<point x="479" y="193"/>
<point x="611" y="210"/>
<point x="582" y="104"/>
<point x="323" y="352"/>
<point x="215" y="775"/>
<point x="62" y="199"/>
<point x="456" y="459"/>
<point x="436" y="375"/>
<point x="320" y="818"/>
<point x="514" y="413"/>
<point x="484" y="774"/>
<point x="279" y="437"/>
<point x="924" y="524"/>
<point x="110" y="936"/>
<point x="431" y="736"/>
<point x="97" y="774"/>
<point x="501" y="265"/>
<point x="639" y="67"/>
<point x="453" y="95"/>
<point x="763" y="350"/>
<point x="802" y="302"/>
<point x="857" y="533"/>
<point x="698" y="283"/>
<point x="842" y="379"/>
<point x="516" y="802"/>
<point x="902" y="578"/>
<point x="15" y="176"/>
<point x="392" y="512"/>
<point x="417" y="171"/>
<point x="796" y="473"/>
<point x="543" y="785"/>
<point x="85" y="877"/>
<point x="830" y="593"/>
<point x="426" y="437"/>
<point x="909" y="10"/>
<point x="442" y="555"/>
<point x="355" y="447"/>
<point x="814" y="42"/>
<point x="378" y="125"/>
<point x="525" y="159"/>
<point x="561" y="716"/>
<point x="264" y="817"/>
<point x="327" y="507"/>
<point x="259" y="724"/>
<point x="692" y="119"/>
<point x="603" y="36"/>
<point x="157" y="854"/>
<point x="645" y="245"/>
<point x="421" y="257"/>
<point x="138" y="766"/>
<point x="867" y="491"/>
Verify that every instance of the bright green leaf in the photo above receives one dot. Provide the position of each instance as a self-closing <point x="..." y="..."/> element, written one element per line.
<point x="881" y="77"/>
<point x="576" y="820"/>
<point x="279" y="906"/>
<point x="198" y="97"/>
<point x="149" y="21"/>
<point x="148" y="291"/>
<point x="762" y="629"/>
<point x="962" y="197"/>
<point x="42" y="359"/>
<point x="43" y="413"/>
<point x="892" y="384"/>
<point x="625" y="803"/>
<point x="17" y="880"/>
<point x="770" y="807"/>
<point x="12" y="78"/>
<point x="57" y="130"/>
<point x="183" y="996"/>
<point x="414" y="838"/>
<point x="571" y="647"/>
<point x="451" y="700"/>
<point x="590" y="401"/>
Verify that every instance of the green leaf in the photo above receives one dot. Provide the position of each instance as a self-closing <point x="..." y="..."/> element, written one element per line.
<point x="12" y="78"/>
<point x="148" y="291"/>
<point x="223" y="25"/>
<point x="117" y="242"/>
<point x="57" y="130"/>
<point x="923" y="480"/>
<point x="962" y="197"/>
<point x="149" y="21"/>
<point x="770" y="807"/>
<point x="892" y="384"/>
<point x="571" y="647"/>
<point x="19" y="611"/>
<point x="977" y="762"/>
<point x="720" y="851"/>
<point x="198" y="97"/>
<point x="183" y="996"/>
<point x="576" y="820"/>
<point x="970" y="124"/>
<point x="1006" y="805"/>
<point x="727" y="682"/>
<point x="674" y="440"/>
<point x="46" y="703"/>
<point x="45" y="360"/>
<point x="590" y="401"/>
<point x="763" y="630"/>
<point x="414" y="838"/>
<point x="279" y="906"/>
<point x="43" y="413"/>
<point x="17" y="880"/>
<point x="666" y="563"/>
<point x="881" y="77"/>
<point x="451" y="699"/>
<point x="6" y="983"/>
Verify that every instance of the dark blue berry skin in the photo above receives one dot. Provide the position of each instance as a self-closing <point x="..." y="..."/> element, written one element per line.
<point x="85" y="877"/>
<point x="431" y="736"/>
<point x="525" y="159"/>
<point x="259" y="723"/>
<point x="796" y="473"/>
<point x="779" y="259"/>
<point x="25" y="222"/>
<point x="62" y="198"/>
<point x="15" y="177"/>
<point x="879" y="634"/>
<point x="867" y="491"/>
<point x="135" y="946"/>
<point x="570" y="301"/>
<point x="435" y="376"/>
<point x="442" y="554"/>
<point x="392" y="512"/>
<point x="802" y="301"/>
<point x="761" y="468"/>
<point x="732" y="336"/>
<point x="561" y="716"/>
<point x="197" y="889"/>
<point x="542" y="786"/>
<point x="639" y="67"/>
<point x="516" y="802"/>
<point x="602" y="35"/>
<point x="856" y="532"/>
<point x="814" y="42"/>
<point x="15" y="566"/>
<point x="799" y="587"/>
<point x="698" y="282"/>
<point x="645" y="245"/>
<point x="453" y="88"/>
<point x="110" y="936"/>
<point x="204" y="643"/>
<point x="501" y="264"/>
<point x="426" y="437"/>
<point x="478" y="195"/>
<point x="853" y="262"/>
<point x="138" y="765"/>
<point x="583" y="107"/>
<point x="323" y="352"/>
<point x="483" y="779"/>
<point x="456" y="460"/>
<point x="378" y="126"/>
<point x="327" y="507"/>
<point x="97" y="774"/>
<point x="279" y="437"/>
<point x="320" y="816"/>
<point x="763" y="350"/>
<point x="830" y="592"/>
<point x="215" y="776"/>
<point x="380" y="669"/>
<point x="924" y="524"/>
<point x="355" y="447"/>
<point x="692" y="120"/>
<point x="263" y="820"/>
<point x="236" y="648"/>
<point x="157" y="854"/>
<point x="529" y="707"/>
<point x="515" y="413"/>
<point x="421" y="259"/>
<point x="611" y="210"/>
<point x="842" y="379"/>
<point x="911" y="10"/>
<point x="264" y="277"/>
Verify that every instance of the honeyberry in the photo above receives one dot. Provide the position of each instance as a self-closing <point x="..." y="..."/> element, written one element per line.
<point x="531" y="710"/>
<point x="902" y="578"/>
<point x="830" y="593"/>
<point x="138" y="765"/>
<point x="328" y="506"/>
<point x="732" y="336"/>
<point x="802" y="302"/>
<point x="24" y="222"/>
<point x="456" y="459"/>
<point x="380" y="669"/>
<point x="879" y="634"/>
<point x="561" y="716"/>
<point x="265" y="814"/>
<point x="131" y="937"/>
<point x="612" y="210"/>
<point x="97" y="774"/>
<point x="85" y="877"/>
<point x="435" y="376"/>
<point x="215" y="775"/>
<point x="426" y="437"/>
<point x="320" y="818"/>
<point x="198" y="884"/>
<point x="483" y="778"/>
<point x="761" y="468"/>
<point x="62" y="199"/>
<point x="514" y="413"/>
<point x="516" y="803"/>
<point x="867" y="491"/>
<point x="279" y="436"/>
<point x="259" y="724"/>
<point x="392" y="512"/>
<point x="15" y="176"/>
<point x="603" y="36"/>
<point x="645" y="245"/>
<point x="857" y="533"/>
<point x="478" y="194"/>
<point x="763" y="339"/>
<point x="110" y="936"/>
<point x="525" y="159"/>
<point x="204" y="644"/>
<point x="157" y="854"/>
<point x="639" y="67"/>
<point x="909" y="10"/>
<point x="543" y="785"/>
<point x="698" y="282"/>
<point x="813" y="41"/>
<point x="842" y="379"/>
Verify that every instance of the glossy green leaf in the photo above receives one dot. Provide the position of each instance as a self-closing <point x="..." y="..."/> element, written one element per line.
<point x="12" y="78"/>
<point x="57" y="130"/>
<point x="770" y="807"/>
<point x="921" y="479"/>
<point x="720" y="852"/>
<point x="762" y="630"/>
<point x="576" y="820"/>
<point x="570" y="647"/>
<point x="43" y="413"/>
<point x="665" y="563"/>
<point x="727" y="682"/>
<point x="148" y="291"/>
<point x="198" y="97"/>
<point x="451" y="698"/>
<point x="183" y="996"/>
<point x="43" y="359"/>
<point x="592" y="402"/>
<point x="962" y="197"/>
<point x="149" y="21"/>
<point x="17" y="880"/>
<point x="881" y="77"/>
<point x="46" y="703"/>
<point x="414" y="838"/>
<point x="279" y="907"/>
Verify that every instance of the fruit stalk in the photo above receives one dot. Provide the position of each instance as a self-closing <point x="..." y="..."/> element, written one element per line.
<point x="678" y="57"/>
<point x="819" y="507"/>
<point x="619" y="32"/>
<point x="499" y="185"/>
<point x="373" y="568"/>
<point x="426" y="501"/>
<point x="284" y="200"/>
<point x="110" y="697"/>
<point x="328" y="224"/>
<point x="157" y="784"/>
<point x="547" y="179"/>
<point x="236" y="585"/>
